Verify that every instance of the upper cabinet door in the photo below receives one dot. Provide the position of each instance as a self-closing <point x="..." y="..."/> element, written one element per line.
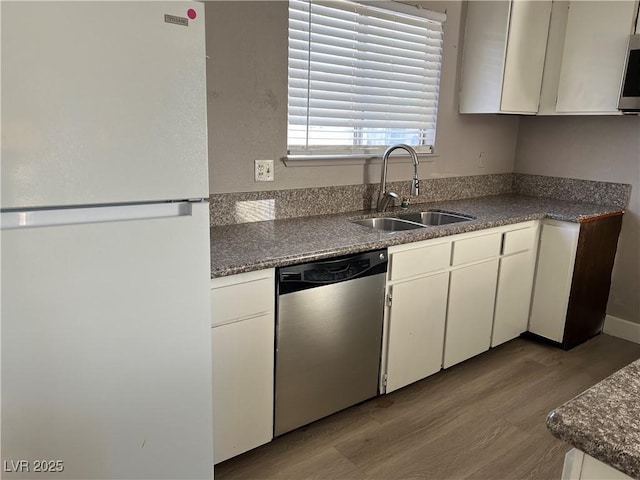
<point x="504" y="50"/>
<point x="102" y="102"/>
<point x="595" y="45"/>
<point x="528" y="30"/>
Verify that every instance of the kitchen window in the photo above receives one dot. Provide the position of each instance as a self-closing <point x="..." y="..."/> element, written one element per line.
<point x="361" y="77"/>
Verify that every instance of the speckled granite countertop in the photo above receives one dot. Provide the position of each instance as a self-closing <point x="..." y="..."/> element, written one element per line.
<point x="604" y="421"/>
<point x="257" y="245"/>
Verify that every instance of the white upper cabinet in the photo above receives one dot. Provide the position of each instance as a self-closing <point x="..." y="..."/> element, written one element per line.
<point x="546" y="58"/>
<point x="586" y="55"/>
<point x="504" y="53"/>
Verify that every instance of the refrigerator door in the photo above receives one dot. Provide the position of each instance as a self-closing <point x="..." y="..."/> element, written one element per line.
<point x="102" y="102"/>
<point x="106" y="353"/>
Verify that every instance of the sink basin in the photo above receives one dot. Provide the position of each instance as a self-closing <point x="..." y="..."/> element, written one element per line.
<point x="411" y="221"/>
<point x="432" y="218"/>
<point x="388" y="224"/>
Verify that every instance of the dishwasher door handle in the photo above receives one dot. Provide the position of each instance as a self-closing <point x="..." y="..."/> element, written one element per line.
<point x="316" y="274"/>
<point x="344" y="268"/>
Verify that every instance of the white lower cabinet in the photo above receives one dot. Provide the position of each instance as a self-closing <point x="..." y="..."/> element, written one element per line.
<point x="556" y="258"/>
<point x="580" y="466"/>
<point x="513" y="297"/>
<point x="452" y="298"/>
<point x="472" y="293"/>
<point x="573" y="278"/>
<point x="448" y="299"/>
<point x="515" y="281"/>
<point x="416" y="325"/>
<point x="242" y="337"/>
<point x="413" y="335"/>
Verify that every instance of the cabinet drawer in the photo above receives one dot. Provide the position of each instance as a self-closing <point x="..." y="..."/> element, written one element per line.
<point x="420" y="260"/>
<point x="518" y="240"/>
<point x="476" y="248"/>
<point x="242" y="300"/>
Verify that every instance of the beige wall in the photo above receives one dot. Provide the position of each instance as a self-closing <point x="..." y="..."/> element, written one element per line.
<point x="594" y="148"/>
<point x="247" y="105"/>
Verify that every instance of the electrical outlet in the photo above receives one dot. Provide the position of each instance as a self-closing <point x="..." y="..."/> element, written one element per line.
<point x="481" y="159"/>
<point x="263" y="170"/>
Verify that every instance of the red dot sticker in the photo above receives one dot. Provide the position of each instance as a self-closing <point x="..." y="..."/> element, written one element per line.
<point x="191" y="13"/>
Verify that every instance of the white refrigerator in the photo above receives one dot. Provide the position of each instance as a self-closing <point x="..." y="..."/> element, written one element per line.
<point x="105" y="269"/>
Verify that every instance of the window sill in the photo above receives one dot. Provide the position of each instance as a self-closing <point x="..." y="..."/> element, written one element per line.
<point x="361" y="159"/>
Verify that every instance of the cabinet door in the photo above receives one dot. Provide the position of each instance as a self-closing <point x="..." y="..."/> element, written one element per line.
<point x="528" y="29"/>
<point x="594" y="55"/>
<point x="485" y="43"/>
<point x="556" y="257"/>
<point x="242" y="386"/>
<point x="503" y="58"/>
<point x="472" y="292"/>
<point x="416" y="330"/>
<point x="513" y="297"/>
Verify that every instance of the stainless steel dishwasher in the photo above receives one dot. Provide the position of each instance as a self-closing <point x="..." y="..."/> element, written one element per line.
<point x="328" y="337"/>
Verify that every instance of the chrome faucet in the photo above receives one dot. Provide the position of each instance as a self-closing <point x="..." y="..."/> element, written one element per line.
<point x="384" y="197"/>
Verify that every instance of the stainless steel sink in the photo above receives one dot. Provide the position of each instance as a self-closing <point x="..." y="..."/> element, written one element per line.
<point x="412" y="221"/>
<point x="388" y="224"/>
<point x="432" y="218"/>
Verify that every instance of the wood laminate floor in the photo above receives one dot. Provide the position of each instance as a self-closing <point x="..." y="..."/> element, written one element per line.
<point x="484" y="418"/>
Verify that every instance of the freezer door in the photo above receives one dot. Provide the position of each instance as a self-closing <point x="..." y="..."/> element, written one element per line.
<point x="102" y="102"/>
<point x="106" y="353"/>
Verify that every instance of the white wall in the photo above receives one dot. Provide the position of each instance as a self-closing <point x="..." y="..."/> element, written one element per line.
<point x="594" y="148"/>
<point x="247" y="105"/>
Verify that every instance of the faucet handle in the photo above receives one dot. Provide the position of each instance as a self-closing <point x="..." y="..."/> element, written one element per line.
<point x="383" y="203"/>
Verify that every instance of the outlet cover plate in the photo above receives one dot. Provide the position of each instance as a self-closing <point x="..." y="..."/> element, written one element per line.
<point x="263" y="170"/>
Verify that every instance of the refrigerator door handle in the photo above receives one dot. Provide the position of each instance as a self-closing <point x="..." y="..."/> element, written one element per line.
<point x="98" y="214"/>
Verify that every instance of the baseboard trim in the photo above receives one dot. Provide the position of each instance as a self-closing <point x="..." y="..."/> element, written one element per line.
<point x="620" y="328"/>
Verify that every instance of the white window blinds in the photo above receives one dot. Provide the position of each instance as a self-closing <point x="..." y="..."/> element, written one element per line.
<point x="362" y="76"/>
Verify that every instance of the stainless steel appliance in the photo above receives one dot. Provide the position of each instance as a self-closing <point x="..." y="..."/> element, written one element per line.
<point x="329" y="336"/>
<point x="630" y="89"/>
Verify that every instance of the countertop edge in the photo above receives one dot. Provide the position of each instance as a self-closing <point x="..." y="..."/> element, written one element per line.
<point x="609" y="455"/>
<point x="603" y="421"/>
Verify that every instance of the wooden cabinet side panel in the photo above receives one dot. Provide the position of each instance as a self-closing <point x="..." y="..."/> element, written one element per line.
<point x="595" y="256"/>
<point x="243" y="356"/>
<point x="416" y="330"/>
